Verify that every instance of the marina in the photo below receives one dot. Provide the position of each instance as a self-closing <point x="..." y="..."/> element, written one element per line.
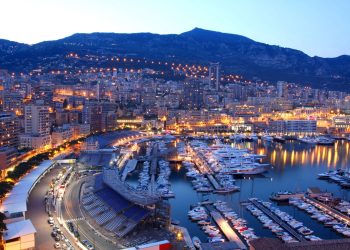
<point x="200" y="171"/>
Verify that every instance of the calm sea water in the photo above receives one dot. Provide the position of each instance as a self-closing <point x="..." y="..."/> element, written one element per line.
<point x="294" y="167"/>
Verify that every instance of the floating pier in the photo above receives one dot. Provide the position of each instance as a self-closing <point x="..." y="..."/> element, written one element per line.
<point x="333" y="212"/>
<point x="214" y="182"/>
<point x="284" y="225"/>
<point x="227" y="229"/>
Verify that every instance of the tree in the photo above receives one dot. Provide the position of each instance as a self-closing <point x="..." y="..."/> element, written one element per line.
<point x="2" y="223"/>
<point x="65" y="104"/>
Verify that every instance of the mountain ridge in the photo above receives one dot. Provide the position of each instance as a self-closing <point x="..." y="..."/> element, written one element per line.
<point x="237" y="54"/>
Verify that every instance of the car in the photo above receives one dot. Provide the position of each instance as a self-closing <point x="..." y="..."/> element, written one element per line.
<point x="76" y="234"/>
<point x="85" y="242"/>
<point x="57" y="245"/>
<point x="51" y="221"/>
<point x="90" y="247"/>
<point x="54" y="234"/>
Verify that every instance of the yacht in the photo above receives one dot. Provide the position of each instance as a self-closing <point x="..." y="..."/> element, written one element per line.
<point x="267" y="138"/>
<point x="285" y="196"/>
<point x="322" y="140"/>
<point x="308" y="140"/>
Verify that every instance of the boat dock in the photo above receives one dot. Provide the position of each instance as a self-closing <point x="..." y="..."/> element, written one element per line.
<point x="153" y="170"/>
<point x="227" y="230"/>
<point x="329" y="210"/>
<point x="284" y="225"/>
<point x="213" y="182"/>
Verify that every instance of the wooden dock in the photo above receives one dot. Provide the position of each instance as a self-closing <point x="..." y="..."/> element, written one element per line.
<point x="227" y="229"/>
<point x="284" y="225"/>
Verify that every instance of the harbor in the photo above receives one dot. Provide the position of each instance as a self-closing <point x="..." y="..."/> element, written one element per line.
<point x="200" y="170"/>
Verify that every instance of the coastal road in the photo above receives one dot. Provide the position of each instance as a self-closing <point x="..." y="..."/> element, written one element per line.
<point x="71" y="210"/>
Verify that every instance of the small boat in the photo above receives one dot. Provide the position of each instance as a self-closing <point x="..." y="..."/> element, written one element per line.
<point x="196" y="242"/>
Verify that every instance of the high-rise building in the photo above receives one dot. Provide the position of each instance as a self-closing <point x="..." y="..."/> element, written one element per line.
<point x="282" y="89"/>
<point x="36" y="127"/>
<point x="92" y="114"/>
<point x="36" y="120"/>
<point x="214" y="76"/>
<point x="9" y="130"/>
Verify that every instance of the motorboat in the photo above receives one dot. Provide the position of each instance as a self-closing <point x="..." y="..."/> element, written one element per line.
<point x="322" y="140"/>
<point x="196" y="242"/>
<point x="279" y="139"/>
<point x="267" y="138"/>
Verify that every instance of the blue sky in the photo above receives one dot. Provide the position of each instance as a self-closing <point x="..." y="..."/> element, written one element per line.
<point x="317" y="27"/>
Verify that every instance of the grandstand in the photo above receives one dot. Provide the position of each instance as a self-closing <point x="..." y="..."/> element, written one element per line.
<point x="112" y="211"/>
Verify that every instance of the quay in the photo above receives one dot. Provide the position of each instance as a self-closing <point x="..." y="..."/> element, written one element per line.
<point x="185" y="235"/>
<point x="227" y="229"/>
<point x="329" y="210"/>
<point x="278" y="221"/>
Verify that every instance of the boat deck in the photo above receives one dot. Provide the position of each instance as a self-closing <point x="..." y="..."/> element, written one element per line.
<point x="284" y="225"/>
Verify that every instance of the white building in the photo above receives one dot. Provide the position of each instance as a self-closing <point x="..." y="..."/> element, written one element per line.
<point x="36" y="120"/>
<point x="293" y="127"/>
<point x="36" y="127"/>
<point x="35" y="142"/>
<point x="61" y="135"/>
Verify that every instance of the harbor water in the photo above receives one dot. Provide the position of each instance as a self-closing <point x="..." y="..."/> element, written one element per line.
<point x="294" y="167"/>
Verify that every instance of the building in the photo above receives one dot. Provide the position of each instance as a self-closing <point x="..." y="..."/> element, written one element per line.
<point x="292" y="127"/>
<point x="276" y="244"/>
<point x="36" y="127"/>
<point x="19" y="235"/>
<point x="8" y="156"/>
<point x="80" y="130"/>
<point x="9" y="130"/>
<point x="281" y="89"/>
<point x="92" y="114"/>
<point x="214" y="76"/>
<point x="61" y="135"/>
<point x="36" y="120"/>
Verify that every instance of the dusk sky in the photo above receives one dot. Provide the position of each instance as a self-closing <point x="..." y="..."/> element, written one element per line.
<point x="317" y="27"/>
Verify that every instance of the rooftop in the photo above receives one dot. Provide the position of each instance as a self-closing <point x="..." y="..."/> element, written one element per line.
<point x="18" y="229"/>
<point x="275" y="244"/>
